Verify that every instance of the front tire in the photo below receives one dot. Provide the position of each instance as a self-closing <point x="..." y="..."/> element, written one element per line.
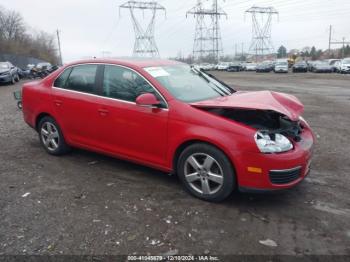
<point x="13" y="80"/>
<point x="51" y="137"/>
<point x="206" y="172"/>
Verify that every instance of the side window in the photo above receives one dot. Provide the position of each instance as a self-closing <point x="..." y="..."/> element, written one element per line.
<point x="82" y="79"/>
<point x="124" y="84"/>
<point x="62" y="79"/>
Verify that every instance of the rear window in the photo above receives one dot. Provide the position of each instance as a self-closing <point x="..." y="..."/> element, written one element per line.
<point x="82" y="79"/>
<point x="62" y="79"/>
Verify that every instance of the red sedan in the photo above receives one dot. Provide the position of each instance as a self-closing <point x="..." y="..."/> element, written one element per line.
<point x="175" y="118"/>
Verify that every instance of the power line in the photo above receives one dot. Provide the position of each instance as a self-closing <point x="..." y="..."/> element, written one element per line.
<point x="262" y="22"/>
<point x="145" y="44"/>
<point x="207" y="39"/>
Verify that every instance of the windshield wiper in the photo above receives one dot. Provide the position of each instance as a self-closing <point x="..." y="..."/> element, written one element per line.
<point x="222" y="83"/>
<point x="215" y="87"/>
<point x="222" y="91"/>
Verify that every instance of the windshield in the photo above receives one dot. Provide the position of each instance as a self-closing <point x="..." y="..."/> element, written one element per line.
<point x="281" y="63"/>
<point x="189" y="84"/>
<point x="346" y="61"/>
<point x="4" y="66"/>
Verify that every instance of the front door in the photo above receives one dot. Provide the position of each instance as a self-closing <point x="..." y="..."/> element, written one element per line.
<point x="126" y="128"/>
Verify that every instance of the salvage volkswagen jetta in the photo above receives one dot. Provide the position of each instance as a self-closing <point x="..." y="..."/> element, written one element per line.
<point x="175" y="118"/>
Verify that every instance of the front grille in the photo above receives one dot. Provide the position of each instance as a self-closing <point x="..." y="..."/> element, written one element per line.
<point x="281" y="177"/>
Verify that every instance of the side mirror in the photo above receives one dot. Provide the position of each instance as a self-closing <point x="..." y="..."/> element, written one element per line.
<point x="147" y="100"/>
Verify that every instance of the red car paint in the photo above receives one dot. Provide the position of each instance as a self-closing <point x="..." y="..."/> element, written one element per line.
<point x="153" y="136"/>
<point x="285" y="104"/>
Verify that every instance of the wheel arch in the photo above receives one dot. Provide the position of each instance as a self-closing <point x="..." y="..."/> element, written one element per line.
<point x="188" y="143"/>
<point x="39" y="117"/>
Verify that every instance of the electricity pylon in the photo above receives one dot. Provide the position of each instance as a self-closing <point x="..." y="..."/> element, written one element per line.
<point x="262" y="24"/>
<point x="145" y="44"/>
<point x="207" y="39"/>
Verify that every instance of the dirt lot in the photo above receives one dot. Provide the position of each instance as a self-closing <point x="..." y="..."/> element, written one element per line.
<point x="85" y="203"/>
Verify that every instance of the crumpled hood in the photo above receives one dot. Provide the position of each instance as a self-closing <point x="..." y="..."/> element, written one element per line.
<point x="285" y="104"/>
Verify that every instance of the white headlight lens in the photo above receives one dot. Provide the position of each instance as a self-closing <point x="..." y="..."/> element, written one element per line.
<point x="272" y="143"/>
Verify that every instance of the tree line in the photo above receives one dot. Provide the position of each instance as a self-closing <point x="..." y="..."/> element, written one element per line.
<point x="313" y="53"/>
<point x="18" y="39"/>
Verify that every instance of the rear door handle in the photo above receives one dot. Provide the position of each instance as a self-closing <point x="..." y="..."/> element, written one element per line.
<point x="58" y="102"/>
<point x="103" y="112"/>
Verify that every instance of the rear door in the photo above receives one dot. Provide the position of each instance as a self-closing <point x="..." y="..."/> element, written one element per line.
<point x="76" y="104"/>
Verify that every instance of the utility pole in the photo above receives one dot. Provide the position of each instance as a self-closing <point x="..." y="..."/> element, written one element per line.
<point x="207" y="39"/>
<point x="343" y="42"/>
<point x="262" y="24"/>
<point x="330" y="39"/>
<point x="145" y="44"/>
<point x="59" y="47"/>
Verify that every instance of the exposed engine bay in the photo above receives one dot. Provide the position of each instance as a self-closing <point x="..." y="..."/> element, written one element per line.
<point x="268" y="122"/>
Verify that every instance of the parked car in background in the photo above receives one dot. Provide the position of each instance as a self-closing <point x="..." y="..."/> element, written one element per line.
<point x="42" y="70"/>
<point x="336" y="66"/>
<point x="250" y="67"/>
<point x="300" y="67"/>
<point x="43" y="66"/>
<point x="333" y="63"/>
<point x="23" y="74"/>
<point x="175" y="118"/>
<point x="311" y="65"/>
<point x="234" y="67"/>
<point x="264" y="67"/>
<point x="8" y="73"/>
<point x="205" y="66"/>
<point x="281" y="66"/>
<point x="223" y="66"/>
<point x="322" y="67"/>
<point x="344" y="66"/>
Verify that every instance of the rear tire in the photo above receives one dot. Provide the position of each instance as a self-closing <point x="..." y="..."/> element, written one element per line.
<point x="206" y="172"/>
<point x="51" y="137"/>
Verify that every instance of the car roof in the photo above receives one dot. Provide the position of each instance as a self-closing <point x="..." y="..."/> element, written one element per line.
<point x="129" y="61"/>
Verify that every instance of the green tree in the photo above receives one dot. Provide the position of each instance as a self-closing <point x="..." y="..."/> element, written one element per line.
<point x="313" y="53"/>
<point x="282" y="52"/>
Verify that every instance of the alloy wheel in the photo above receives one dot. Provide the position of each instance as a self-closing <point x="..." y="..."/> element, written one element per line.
<point x="50" y="136"/>
<point x="203" y="173"/>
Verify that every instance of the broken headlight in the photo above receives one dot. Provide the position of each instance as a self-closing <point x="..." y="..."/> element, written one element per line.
<point x="272" y="143"/>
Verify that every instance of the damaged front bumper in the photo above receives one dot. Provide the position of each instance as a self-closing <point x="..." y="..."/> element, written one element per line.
<point x="271" y="172"/>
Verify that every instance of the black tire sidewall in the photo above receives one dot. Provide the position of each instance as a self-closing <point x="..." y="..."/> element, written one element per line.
<point x="63" y="148"/>
<point x="229" y="183"/>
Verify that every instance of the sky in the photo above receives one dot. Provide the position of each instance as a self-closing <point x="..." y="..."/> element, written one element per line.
<point x="97" y="27"/>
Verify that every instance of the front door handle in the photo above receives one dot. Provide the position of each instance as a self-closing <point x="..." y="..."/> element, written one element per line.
<point x="58" y="102"/>
<point x="103" y="112"/>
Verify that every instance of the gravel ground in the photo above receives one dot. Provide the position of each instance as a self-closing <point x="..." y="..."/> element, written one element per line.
<point x="85" y="203"/>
